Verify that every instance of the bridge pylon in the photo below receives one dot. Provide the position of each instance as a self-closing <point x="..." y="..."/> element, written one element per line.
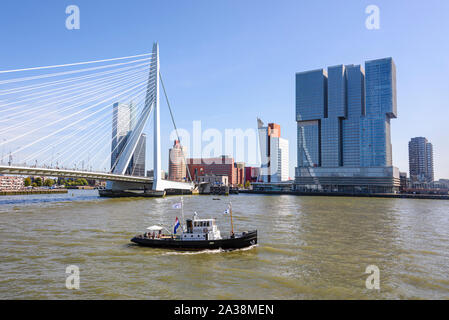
<point x="159" y="185"/>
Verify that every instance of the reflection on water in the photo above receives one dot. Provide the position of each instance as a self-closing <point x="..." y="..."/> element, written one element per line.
<point x="309" y="248"/>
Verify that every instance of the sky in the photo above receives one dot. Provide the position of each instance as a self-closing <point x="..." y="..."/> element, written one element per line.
<point x="228" y="62"/>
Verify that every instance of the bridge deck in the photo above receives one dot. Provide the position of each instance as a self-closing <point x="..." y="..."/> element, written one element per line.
<point x="65" y="173"/>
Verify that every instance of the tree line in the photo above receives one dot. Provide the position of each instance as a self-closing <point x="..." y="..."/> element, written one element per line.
<point x="39" y="182"/>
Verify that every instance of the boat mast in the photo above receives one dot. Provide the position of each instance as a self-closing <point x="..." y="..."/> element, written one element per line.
<point x="182" y="213"/>
<point x="232" y="224"/>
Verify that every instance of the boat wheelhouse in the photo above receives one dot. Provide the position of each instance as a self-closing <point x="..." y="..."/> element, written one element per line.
<point x="201" y="229"/>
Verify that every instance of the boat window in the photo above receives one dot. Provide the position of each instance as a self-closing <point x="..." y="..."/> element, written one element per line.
<point x="207" y="223"/>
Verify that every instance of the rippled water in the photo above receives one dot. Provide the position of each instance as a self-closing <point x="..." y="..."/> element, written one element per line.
<point x="309" y="248"/>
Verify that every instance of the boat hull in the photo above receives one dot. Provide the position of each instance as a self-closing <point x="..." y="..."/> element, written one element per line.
<point x="245" y="240"/>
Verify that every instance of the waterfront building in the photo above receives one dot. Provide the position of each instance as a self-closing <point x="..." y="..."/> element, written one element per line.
<point x="11" y="183"/>
<point x="444" y="182"/>
<point x="404" y="181"/>
<point x="164" y="175"/>
<point x="420" y="157"/>
<point x="343" y="128"/>
<point x="177" y="162"/>
<point x="252" y="174"/>
<point x="239" y="172"/>
<point x="223" y="165"/>
<point x="274" y="153"/>
<point x="123" y="121"/>
<point x="214" y="179"/>
<point x="281" y="187"/>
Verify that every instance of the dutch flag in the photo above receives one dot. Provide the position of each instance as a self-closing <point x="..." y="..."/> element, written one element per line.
<point x="177" y="224"/>
<point x="177" y="206"/>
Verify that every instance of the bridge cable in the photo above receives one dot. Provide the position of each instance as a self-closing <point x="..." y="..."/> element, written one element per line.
<point x="73" y="123"/>
<point x="174" y="124"/>
<point x="115" y="89"/>
<point x="75" y="64"/>
<point x="48" y="75"/>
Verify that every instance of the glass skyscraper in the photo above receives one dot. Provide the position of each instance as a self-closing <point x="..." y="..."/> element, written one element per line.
<point x="381" y="106"/>
<point x="123" y="121"/>
<point x="343" y="118"/>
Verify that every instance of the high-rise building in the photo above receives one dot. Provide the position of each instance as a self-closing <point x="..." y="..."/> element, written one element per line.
<point x="274" y="153"/>
<point x="343" y="118"/>
<point x="136" y="166"/>
<point x="420" y="157"/>
<point x="123" y="120"/>
<point x="177" y="162"/>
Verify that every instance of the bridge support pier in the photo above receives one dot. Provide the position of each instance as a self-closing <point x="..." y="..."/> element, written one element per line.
<point x="119" y="189"/>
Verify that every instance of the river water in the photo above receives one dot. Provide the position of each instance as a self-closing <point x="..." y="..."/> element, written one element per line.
<point x="309" y="248"/>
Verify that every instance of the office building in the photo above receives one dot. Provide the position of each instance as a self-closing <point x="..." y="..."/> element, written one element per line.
<point x="164" y="175"/>
<point x="136" y="166"/>
<point x="123" y="120"/>
<point x="404" y="181"/>
<point x="420" y="156"/>
<point x="177" y="162"/>
<point x="274" y="153"/>
<point x="343" y="120"/>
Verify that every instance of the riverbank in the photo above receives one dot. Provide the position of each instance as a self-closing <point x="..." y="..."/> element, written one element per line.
<point x="32" y="192"/>
<point x="342" y="194"/>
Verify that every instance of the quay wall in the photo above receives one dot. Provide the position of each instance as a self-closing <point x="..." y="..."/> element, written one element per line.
<point x="342" y="194"/>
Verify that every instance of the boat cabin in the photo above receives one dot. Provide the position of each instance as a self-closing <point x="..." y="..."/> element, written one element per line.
<point x="201" y="229"/>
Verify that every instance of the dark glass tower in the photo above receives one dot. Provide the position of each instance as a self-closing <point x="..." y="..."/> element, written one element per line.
<point x="420" y="157"/>
<point x="343" y="117"/>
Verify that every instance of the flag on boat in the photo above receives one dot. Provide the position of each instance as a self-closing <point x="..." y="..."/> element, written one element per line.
<point x="177" y="224"/>
<point x="228" y="210"/>
<point x="177" y="205"/>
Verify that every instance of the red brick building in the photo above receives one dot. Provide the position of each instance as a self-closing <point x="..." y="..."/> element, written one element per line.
<point x="223" y="165"/>
<point x="252" y="174"/>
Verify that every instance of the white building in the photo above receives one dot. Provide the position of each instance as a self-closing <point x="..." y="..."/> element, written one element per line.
<point x="11" y="183"/>
<point x="274" y="153"/>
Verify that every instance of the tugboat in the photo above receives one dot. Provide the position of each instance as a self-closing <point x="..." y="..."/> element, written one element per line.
<point x="198" y="234"/>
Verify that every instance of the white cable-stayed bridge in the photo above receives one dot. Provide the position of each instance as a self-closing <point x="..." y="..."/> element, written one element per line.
<point x="56" y="121"/>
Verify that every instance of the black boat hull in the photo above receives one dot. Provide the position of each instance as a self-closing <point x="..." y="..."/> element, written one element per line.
<point x="245" y="240"/>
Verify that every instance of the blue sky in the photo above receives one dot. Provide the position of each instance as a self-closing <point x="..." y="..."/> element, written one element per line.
<point x="228" y="62"/>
